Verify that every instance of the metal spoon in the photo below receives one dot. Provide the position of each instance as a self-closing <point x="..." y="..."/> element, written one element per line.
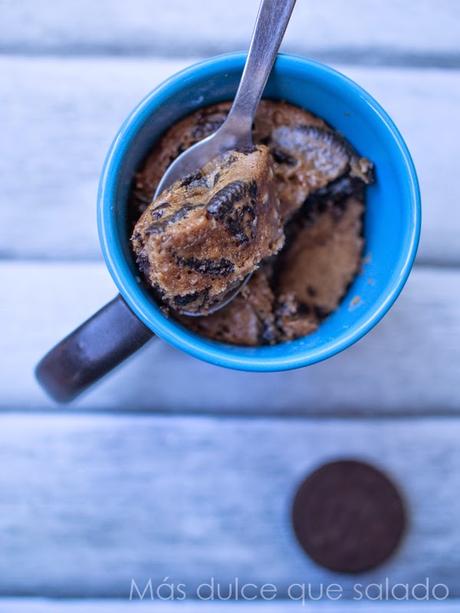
<point x="236" y="131"/>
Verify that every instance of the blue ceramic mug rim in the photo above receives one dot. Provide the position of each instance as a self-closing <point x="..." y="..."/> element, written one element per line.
<point x="241" y="358"/>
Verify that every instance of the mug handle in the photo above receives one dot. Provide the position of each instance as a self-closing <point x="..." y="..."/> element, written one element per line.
<point x="91" y="351"/>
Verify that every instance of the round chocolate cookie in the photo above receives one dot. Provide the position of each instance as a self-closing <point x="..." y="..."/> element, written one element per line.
<point x="348" y="516"/>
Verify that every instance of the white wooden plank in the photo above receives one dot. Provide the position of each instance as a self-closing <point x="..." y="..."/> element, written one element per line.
<point x="28" y="605"/>
<point x="369" y="30"/>
<point x="89" y="503"/>
<point x="52" y="150"/>
<point x="408" y="364"/>
<point x="56" y="146"/>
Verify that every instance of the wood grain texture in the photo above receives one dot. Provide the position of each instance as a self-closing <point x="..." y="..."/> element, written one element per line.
<point x="28" y="605"/>
<point x="52" y="150"/>
<point x="408" y="364"/>
<point x="381" y="30"/>
<point x="91" y="502"/>
<point x="56" y="146"/>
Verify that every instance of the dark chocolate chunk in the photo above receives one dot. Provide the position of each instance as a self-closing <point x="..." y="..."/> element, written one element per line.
<point x="303" y="309"/>
<point x="282" y="157"/>
<point x="267" y="334"/>
<point x="194" y="177"/>
<point x="252" y="189"/>
<point x="337" y="191"/>
<point x="348" y="516"/>
<point x="206" y="128"/>
<point x="216" y="268"/>
<point x="234" y="206"/>
<point x="332" y="197"/>
<point x="180" y="149"/>
<point x="247" y="149"/>
<point x="159" y="227"/>
<point x="159" y="211"/>
<point x="241" y="223"/>
<point x="284" y="308"/>
<point x="143" y="263"/>
<point x="187" y="299"/>
<point x="222" y="202"/>
<point x="320" y="312"/>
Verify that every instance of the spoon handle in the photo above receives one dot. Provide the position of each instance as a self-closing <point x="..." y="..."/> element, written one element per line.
<point x="271" y="23"/>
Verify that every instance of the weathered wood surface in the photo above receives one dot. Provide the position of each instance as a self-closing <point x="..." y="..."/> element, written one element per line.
<point x="61" y="115"/>
<point x="89" y="503"/>
<point x="27" y="605"/>
<point x="378" y="31"/>
<point x="408" y="364"/>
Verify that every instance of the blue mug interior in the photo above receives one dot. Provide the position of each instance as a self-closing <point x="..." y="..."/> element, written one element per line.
<point x="392" y="219"/>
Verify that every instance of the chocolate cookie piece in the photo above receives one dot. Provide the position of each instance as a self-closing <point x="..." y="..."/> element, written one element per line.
<point x="209" y="230"/>
<point x="308" y="154"/>
<point x="348" y="516"/>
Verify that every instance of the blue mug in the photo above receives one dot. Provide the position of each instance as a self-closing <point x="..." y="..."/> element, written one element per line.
<point x="391" y="228"/>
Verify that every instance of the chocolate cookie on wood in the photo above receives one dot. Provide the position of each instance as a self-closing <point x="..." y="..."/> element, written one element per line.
<point x="348" y="516"/>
